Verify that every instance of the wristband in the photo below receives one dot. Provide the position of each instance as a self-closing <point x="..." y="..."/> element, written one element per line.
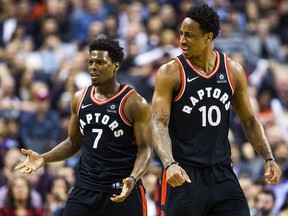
<point x="170" y="164"/>
<point x="134" y="179"/>
<point x="269" y="159"/>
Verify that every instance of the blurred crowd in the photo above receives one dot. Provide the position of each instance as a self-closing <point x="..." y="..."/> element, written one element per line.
<point x="43" y="62"/>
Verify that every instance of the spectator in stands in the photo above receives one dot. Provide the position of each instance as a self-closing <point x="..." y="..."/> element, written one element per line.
<point x="11" y="157"/>
<point x="7" y="174"/>
<point x="252" y="161"/>
<point x="265" y="202"/>
<point x="81" y="18"/>
<point x="68" y="173"/>
<point x="18" y="199"/>
<point x="264" y="44"/>
<point x="284" y="208"/>
<point x="40" y="129"/>
<point x="57" y="196"/>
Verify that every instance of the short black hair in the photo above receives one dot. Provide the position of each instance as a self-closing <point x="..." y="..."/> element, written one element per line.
<point x="113" y="47"/>
<point x="268" y="192"/>
<point x="207" y="18"/>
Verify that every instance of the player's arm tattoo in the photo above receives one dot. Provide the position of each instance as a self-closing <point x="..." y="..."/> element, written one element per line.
<point x="256" y="136"/>
<point x="161" y="139"/>
<point x="264" y="151"/>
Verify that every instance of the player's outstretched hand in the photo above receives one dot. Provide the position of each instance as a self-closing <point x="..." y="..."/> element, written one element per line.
<point x="272" y="172"/>
<point x="32" y="162"/>
<point x="176" y="176"/>
<point x="129" y="184"/>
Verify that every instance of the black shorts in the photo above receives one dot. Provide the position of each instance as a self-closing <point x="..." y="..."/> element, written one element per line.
<point x="213" y="191"/>
<point x="82" y="202"/>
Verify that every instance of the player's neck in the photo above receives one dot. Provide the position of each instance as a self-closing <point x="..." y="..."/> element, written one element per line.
<point x="205" y="63"/>
<point x="105" y="91"/>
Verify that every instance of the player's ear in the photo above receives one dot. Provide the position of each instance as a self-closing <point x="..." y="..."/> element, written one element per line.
<point x="209" y="37"/>
<point x="117" y="66"/>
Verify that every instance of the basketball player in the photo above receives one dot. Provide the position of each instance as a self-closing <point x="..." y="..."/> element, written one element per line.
<point x="190" y="111"/>
<point x="111" y="124"/>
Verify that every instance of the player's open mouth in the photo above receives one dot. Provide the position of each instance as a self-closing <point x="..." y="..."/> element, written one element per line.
<point x="94" y="76"/>
<point x="184" y="50"/>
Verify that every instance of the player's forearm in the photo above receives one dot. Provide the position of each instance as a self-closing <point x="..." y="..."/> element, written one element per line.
<point x="256" y="136"/>
<point x="62" y="151"/>
<point x="162" y="142"/>
<point x="142" y="161"/>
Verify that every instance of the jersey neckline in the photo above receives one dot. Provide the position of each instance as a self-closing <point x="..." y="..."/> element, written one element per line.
<point x="101" y="102"/>
<point x="216" y="67"/>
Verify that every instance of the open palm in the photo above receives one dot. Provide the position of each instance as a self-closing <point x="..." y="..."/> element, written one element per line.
<point x="32" y="162"/>
<point x="127" y="187"/>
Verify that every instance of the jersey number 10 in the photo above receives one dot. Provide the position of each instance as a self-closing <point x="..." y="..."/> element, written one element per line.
<point x="207" y="115"/>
